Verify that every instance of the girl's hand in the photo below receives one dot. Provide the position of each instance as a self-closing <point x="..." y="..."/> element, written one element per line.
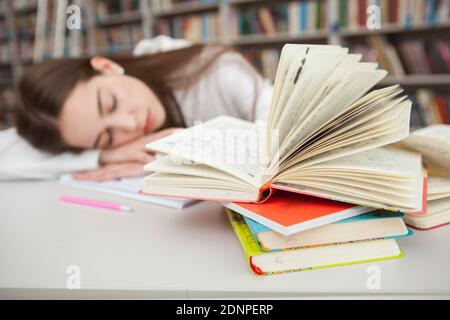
<point x="134" y="151"/>
<point x="112" y="171"/>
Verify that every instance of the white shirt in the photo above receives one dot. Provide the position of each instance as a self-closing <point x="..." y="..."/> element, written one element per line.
<point x="229" y="87"/>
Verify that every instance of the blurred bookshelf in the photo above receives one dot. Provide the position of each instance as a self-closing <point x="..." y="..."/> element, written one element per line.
<point x="412" y="43"/>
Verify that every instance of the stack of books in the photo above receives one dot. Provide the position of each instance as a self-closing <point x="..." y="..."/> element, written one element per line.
<point x="321" y="158"/>
<point x="297" y="233"/>
<point x="365" y="238"/>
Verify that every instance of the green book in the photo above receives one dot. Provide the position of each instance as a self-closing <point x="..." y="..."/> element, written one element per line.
<point x="343" y="13"/>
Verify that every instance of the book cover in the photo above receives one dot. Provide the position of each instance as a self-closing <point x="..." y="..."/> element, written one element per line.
<point x="258" y="231"/>
<point x="288" y="213"/>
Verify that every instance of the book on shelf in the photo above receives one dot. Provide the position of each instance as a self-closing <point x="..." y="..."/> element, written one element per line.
<point x="425" y="57"/>
<point x="352" y="14"/>
<point x="24" y="4"/>
<point x="283" y="261"/>
<point x="265" y="60"/>
<point x="167" y="5"/>
<point x="375" y="225"/>
<point x="324" y="137"/>
<point x="108" y="8"/>
<point x="205" y="27"/>
<point x="434" y="144"/>
<point x="118" y="39"/>
<point x="431" y="108"/>
<point x="285" y="18"/>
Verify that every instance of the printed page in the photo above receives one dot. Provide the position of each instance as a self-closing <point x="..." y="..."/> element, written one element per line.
<point x="364" y="126"/>
<point x="225" y="143"/>
<point x="341" y="97"/>
<point x="316" y="70"/>
<point x="174" y="166"/>
<point x="291" y="61"/>
<point x="350" y="62"/>
<point x="384" y="160"/>
<point x="400" y="131"/>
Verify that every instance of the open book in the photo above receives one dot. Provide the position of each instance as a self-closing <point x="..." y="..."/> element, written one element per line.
<point x="128" y="188"/>
<point x="322" y="138"/>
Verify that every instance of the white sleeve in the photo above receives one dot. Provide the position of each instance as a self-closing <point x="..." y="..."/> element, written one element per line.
<point x="251" y="94"/>
<point x="159" y="43"/>
<point x="19" y="160"/>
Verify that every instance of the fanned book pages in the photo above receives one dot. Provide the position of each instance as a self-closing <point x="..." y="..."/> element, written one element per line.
<point x="324" y="137"/>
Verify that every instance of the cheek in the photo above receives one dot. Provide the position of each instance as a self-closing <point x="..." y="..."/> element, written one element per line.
<point x="132" y="92"/>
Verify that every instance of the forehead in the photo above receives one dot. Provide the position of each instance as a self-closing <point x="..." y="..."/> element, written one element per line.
<point x="79" y="119"/>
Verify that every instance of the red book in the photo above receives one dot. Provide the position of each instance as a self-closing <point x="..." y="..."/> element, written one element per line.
<point x="393" y="11"/>
<point x="362" y="12"/>
<point x="445" y="53"/>
<point x="442" y="109"/>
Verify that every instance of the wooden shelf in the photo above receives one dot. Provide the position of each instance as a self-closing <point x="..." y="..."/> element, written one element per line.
<point x="258" y="39"/>
<point x="115" y="19"/>
<point x="26" y="9"/>
<point x="418" y="80"/>
<point x="392" y="29"/>
<point x="188" y="8"/>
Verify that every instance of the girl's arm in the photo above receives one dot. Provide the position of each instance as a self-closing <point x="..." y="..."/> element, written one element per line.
<point x="19" y="160"/>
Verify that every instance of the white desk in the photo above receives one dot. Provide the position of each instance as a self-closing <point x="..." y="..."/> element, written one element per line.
<point x="157" y="252"/>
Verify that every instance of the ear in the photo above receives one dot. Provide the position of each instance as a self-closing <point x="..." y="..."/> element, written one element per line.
<point x="106" y="66"/>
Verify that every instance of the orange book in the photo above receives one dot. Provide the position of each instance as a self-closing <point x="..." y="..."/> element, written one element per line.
<point x="288" y="213"/>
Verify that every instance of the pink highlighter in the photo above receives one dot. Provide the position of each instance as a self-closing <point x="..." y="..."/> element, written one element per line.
<point x="95" y="203"/>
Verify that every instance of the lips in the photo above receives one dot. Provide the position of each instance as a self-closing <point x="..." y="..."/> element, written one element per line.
<point x="148" y="123"/>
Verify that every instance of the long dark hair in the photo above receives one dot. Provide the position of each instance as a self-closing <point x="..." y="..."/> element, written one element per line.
<point x="44" y="87"/>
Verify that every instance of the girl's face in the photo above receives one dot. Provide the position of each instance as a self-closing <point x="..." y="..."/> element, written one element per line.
<point x="109" y="110"/>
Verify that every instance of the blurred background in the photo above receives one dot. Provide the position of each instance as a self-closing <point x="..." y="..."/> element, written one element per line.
<point x="412" y="40"/>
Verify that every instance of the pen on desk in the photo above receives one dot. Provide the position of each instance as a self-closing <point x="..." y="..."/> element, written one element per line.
<point x="95" y="203"/>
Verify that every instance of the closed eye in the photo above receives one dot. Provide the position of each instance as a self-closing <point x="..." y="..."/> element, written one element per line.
<point x="113" y="105"/>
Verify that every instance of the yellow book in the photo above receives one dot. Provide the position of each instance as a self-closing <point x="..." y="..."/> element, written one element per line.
<point x="267" y="263"/>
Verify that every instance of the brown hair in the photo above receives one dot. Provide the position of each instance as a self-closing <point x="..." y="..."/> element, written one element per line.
<point x="44" y="87"/>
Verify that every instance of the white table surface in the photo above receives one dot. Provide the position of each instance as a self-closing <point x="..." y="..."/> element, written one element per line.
<point x="158" y="252"/>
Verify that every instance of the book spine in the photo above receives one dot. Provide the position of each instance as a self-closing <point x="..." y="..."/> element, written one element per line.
<point x="245" y="237"/>
<point x="304" y="15"/>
